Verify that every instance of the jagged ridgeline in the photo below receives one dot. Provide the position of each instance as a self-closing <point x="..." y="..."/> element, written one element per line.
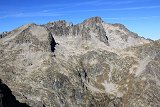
<point x="90" y="64"/>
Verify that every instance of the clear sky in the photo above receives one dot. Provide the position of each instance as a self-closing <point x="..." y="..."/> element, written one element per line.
<point x="140" y="16"/>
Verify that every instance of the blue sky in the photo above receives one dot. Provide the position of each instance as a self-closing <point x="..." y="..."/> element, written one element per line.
<point x="140" y="16"/>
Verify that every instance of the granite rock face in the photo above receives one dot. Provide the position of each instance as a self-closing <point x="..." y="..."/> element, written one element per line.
<point x="91" y="64"/>
<point x="92" y="26"/>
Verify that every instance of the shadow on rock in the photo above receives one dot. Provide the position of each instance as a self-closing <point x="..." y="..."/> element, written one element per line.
<point x="7" y="99"/>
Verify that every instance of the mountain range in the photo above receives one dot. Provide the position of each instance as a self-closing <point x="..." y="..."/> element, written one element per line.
<point x="90" y="64"/>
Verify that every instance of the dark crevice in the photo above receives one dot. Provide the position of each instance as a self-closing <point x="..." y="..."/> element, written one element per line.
<point x="52" y="41"/>
<point x="7" y="99"/>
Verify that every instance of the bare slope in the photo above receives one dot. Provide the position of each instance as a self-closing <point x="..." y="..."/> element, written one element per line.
<point x="91" y="64"/>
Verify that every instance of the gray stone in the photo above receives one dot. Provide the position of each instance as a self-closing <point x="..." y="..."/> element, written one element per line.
<point x="90" y="64"/>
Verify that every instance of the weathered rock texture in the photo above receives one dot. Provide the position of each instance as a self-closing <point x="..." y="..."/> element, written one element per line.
<point x="7" y="99"/>
<point x="91" y="64"/>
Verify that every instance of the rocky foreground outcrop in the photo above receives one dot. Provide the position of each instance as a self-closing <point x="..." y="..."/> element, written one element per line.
<point x="91" y="64"/>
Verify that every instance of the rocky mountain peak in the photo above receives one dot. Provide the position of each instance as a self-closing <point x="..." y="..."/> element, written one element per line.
<point x="27" y="26"/>
<point x="59" y="23"/>
<point x="89" y="31"/>
<point x="121" y="26"/>
<point x="90" y="64"/>
<point x="93" y="20"/>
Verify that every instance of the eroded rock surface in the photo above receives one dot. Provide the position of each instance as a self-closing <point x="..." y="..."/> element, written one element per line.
<point x="91" y="64"/>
